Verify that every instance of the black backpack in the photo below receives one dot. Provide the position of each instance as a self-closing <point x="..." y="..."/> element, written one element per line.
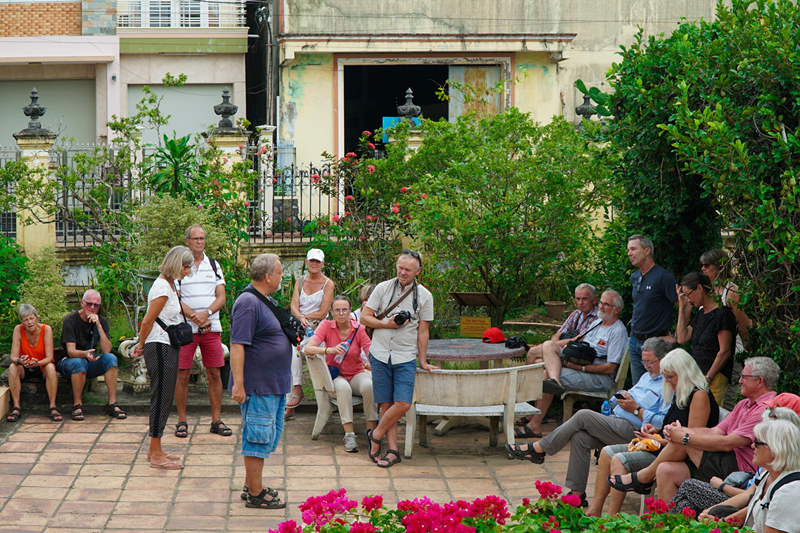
<point x="789" y="478"/>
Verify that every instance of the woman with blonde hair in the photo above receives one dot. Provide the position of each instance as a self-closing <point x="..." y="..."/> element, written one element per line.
<point x="161" y="358"/>
<point x="692" y="405"/>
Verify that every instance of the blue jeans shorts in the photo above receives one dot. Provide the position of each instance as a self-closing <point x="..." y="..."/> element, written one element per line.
<point x="392" y="383"/>
<point x="262" y="424"/>
<point x="93" y="369"/>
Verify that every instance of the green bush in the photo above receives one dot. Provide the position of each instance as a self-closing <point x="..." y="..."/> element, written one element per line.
<point x="12" y="273"/>
<point x="44" y="288"/>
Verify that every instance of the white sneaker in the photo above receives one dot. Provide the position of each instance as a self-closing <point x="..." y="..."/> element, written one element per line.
<point x="350" y="444"/>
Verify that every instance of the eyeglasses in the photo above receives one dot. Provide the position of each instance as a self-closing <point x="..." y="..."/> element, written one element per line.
<point x="605" y="304"/>
<point x="688" y="293"/>
<point x="648" y="364"/>
<point x="757" y="443"/>
<point x="706" y="265"/>
<point x="91" y="304"/>
<point x="340" y="311"/>
<point x="639" y="284"/>
<point x="413" y="254"/>
<point x="749" y="376"/>
<point x="669" y="377"/>
<point x="197" y="239"/>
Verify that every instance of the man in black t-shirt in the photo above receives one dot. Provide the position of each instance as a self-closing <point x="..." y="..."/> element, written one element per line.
<point x="83" y="333"/>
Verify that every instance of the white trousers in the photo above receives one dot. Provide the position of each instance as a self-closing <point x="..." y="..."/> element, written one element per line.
<point x="360" y="385"/>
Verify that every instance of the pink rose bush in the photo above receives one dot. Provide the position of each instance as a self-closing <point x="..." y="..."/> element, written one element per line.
<point x="552" y="512"/>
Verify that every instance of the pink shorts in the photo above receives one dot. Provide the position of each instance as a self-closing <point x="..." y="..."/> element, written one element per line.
<point x="210" y="347"/>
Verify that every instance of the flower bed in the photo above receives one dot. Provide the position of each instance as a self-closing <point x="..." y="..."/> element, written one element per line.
<point x="551" y="513"/>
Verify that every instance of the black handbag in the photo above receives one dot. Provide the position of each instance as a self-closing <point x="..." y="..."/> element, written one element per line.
<point x="290" y="324"/>
<point x="180" y="334"/>
<point x="578" y="352"/>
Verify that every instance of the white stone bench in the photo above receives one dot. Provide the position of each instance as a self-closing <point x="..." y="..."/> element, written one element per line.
<point x="497" y="393"/>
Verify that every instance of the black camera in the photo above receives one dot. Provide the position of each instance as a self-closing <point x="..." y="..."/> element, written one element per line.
<point x="402" y="317"/>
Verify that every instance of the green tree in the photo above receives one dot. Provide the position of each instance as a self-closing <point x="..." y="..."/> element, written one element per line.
<point x="44" y="288"/>
<point x="705" y="128"/>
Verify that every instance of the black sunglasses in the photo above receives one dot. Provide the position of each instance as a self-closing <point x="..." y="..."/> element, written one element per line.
<point x="758" y="443"/>
<point x="413" y="254"/>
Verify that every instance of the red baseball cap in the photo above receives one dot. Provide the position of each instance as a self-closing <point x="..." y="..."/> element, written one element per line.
<point x="785" y="399"/>
<point x="493" y="335"/>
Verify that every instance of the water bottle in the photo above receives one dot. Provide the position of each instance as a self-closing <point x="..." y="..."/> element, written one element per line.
<point x="606" y="409"/>
<point x="340" y="356"/>
<point x="309" y="332"/>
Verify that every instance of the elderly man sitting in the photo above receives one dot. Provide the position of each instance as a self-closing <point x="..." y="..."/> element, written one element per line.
<point x="607" y="336"/>
<point x="589" y="430"/>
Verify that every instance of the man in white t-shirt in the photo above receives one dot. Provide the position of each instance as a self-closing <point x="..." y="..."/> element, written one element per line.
<point x="399" y="338"/>
<point x="608" y="337"/>
<point x="202" y="296"/>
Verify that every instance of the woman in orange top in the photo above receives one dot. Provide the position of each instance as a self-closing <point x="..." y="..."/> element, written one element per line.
<point x="32" y="355"/>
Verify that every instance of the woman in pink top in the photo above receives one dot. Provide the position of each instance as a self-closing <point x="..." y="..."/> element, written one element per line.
<point x="353" y="377"/>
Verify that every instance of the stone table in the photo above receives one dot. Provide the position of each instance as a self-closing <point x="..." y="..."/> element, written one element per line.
<point x="441" y="350"/>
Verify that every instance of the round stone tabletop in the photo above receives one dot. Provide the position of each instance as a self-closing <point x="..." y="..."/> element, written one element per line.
<point x="470" y="350"/>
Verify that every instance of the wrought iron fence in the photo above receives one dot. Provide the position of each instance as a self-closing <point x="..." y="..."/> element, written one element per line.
<point x="8" y="219"/>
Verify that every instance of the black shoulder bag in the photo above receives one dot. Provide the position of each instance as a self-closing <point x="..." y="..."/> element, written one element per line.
<point x="291" y="326"/>
<point x="180" y="334"/>
<point x="579" y="352"/>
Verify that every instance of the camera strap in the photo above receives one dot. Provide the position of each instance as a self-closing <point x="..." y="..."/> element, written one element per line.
<point x="403" y="297"/>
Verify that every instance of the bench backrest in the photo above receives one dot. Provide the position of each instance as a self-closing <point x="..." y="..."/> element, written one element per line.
<point x="622" y="372"/>
<point x="476" y="388"/>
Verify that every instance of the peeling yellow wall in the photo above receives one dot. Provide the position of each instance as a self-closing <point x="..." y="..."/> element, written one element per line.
<point x="536" y="86"/>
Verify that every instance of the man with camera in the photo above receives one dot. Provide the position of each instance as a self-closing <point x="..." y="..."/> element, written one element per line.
<point x="602" y="346"/>
<point x="202" y="296"/>
<point x="400" y="311"/>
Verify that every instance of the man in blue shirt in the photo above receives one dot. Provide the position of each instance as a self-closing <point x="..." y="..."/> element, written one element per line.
<point x="589" y="430"/>
<point x="654" y="300"/>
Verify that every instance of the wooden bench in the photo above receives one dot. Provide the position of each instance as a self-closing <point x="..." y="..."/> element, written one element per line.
<point x="497" y="393"/>
<point x="570" y="396"/>
<point x="324" y="392"/>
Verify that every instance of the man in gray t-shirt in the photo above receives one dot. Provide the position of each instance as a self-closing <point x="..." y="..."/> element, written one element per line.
<point x="400" y="311"/>
<point x="608" y="337"/>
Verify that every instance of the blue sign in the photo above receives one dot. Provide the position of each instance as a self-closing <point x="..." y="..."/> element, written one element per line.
<point x="388" y="122"/>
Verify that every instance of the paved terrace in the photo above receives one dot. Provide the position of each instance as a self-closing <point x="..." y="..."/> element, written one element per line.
<point x="94" y="475"/>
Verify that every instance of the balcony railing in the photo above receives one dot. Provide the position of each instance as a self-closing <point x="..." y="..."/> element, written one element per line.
<point x="180" y="14"/>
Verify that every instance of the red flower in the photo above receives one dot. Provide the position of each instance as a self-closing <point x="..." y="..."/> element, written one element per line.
<point x="314" y="178"/>
<point x="526" y="502"/>
<point x="246" y="203"/>
<point x="350" y="154"/>
<point x="370" y="503"/>
<point x="403" y="189"/>
<point x="344" y="160"/>
<point x="395" y="209"/>
<point x="347" y="213"/>
<point x="397" y="204"/>
<point x="571" y="499"/>
<point x="371" y="168"/>
<point x="371" y="146"/>
<point x="362" y="527"/>
<point x="336" y="218"/>
<point x="408" y="217"/>
<point x="424" y="196"/>
<point x="688" y="512"/>
<point x="241" y="146"/>
<point x="366" y="132"/>
<point x="349" y="197"/>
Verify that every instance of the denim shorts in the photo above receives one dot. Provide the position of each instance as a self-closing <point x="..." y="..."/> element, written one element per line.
<point x="262" y="424"/>
<point x="392" y="383"/>
<point x="93" y="369"/>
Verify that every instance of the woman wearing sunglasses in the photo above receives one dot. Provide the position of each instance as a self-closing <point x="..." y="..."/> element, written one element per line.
<point x="344" y="340"/>
<point x="691" y="404"/>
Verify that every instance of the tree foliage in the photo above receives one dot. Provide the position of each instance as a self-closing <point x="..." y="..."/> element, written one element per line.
<point x="705" y="127"/>
<point x="44" y="288"/>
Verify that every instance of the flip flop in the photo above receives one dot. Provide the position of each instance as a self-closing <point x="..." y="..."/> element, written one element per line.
<point x="167" y="465"/>
<point x="291" y="404"/>
<point x="170" y="456"/>
<point x="525" y="432"/>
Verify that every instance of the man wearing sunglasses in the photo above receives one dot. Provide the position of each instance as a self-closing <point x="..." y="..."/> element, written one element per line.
<point x="83" y="335"/>
<point x="400" y="311"/>
<point x="653" y="301"/>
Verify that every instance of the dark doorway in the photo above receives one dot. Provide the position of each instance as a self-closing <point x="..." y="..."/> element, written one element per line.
<point x="372" y="92"/>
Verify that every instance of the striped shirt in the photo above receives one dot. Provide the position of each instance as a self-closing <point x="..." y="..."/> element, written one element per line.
<point x="578" y="321"/>
<point x="198" y="291"/>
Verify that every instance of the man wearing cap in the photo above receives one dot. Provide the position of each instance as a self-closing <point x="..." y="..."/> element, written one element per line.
<point x="608" y="337"/>
<point x="311" y="302"/>
<point x="702" y="453"/>
<point x="654" y="299"/>
<point x="202" y="296"/>
<point x="400" y="311"/>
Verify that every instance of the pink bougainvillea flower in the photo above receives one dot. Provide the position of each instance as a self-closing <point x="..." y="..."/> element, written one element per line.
<point x="344" y="160"/>
<point x="350" y="154"/>
<point x="371" y="503"/>
<point x="571" y="499"/>
<point x="246" y="203"/>
<point x="349" y="197"/>
<point x="526" y="502"/>
<point x="397" y="204"/>
<point x="715" y="530"/>
<point x="371" y="168"/>
<point x="199" y="207"/>
<point x="290" y="526"/>
<point x="548" y="490"/>
<point x="689" y="512"/>
<point x="366" y="132"/>
<point x="336" y="218"/>
<point x="424" y="196"/>
<point x="371" y="146"/>
<point x="403" y="189"/>
<point x="395" y="209"/>
<point x="347" y="213"/>
<point x="362" y="527"/>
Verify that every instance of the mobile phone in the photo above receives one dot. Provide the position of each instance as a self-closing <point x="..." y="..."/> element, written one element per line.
<point x="619" y="396"/>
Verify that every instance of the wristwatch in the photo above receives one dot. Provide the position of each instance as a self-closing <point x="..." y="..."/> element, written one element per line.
<point x="209" y="311"/>
<point x="636" y="411"/>
<point x="685" y="440"/>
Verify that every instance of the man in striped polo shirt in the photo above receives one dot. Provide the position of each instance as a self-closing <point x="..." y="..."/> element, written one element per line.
<point x="202" y="296"/>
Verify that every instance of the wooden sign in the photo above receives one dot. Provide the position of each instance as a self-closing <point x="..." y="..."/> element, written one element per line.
<point x="474" y="326"/>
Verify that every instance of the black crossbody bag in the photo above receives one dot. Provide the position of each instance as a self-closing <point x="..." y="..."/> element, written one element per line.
<point x="290" y="324"/>
<point x="180" y="334"/>
<point x="579" y="352"/>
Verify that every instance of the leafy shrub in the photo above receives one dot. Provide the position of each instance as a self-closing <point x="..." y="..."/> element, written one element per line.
<point x="12" y="273"/>
<point x="44" y="288"/>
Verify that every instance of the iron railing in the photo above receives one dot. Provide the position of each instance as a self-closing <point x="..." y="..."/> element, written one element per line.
<point x="8" y="219"/>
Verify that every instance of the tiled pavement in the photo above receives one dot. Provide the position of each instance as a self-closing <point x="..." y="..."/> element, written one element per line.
<point x="94" y="475"/>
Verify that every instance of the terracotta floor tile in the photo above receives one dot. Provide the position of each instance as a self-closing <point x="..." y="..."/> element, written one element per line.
<point x="104" y="469"/>
<point x="311" y="471"/>
<point x="13" y="520"/>
<point x="136" y="522"/>
<point x="11" y="480"/>
<point x="22" y="446"/>
<point x="27" y="427"/>
<point x="426" y="484"/>
<point x="94" y="495"/>
<point x="70" y="530"/>
<point x="209" y="459"/>
<point x="61" y="457"/>
<point x="266" y="520"/>
<point x="198" y="523"/>
<point x="320" y="486"/>
<point x="200" y="509"/>
<point x="437" y="496"/>
<point x="218" y="495"/>
<point x="18" y="458"/>
<point x="85" y="520"/>
<point x="99" y="482"/>
<point x="358" y="471"/>
<point x="48" y="481"/>
<point x="366" y="484"/>
<point x="51" y="494"/>
<point x="146" y="495"/>
<point x="55" y="469"/>
<point x="83" y="508"/>
<point x="207" y="471"/>
<point x="87" y="426"/>
<point x="116" y="447"/>
<point x="108" y="438"/>
<point x="143" y="508"/>
<point x="204" y="483"/>
<point x="85" y="438"/>
<point x="24" y="503"/>
<point x="152" y="482"/>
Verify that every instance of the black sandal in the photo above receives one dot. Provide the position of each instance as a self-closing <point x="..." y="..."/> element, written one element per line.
<point x="114" y="411"/>
<point x="14" y="415"/>
<point x="270" y="492"/>
<point x="55" y="416"/>
<point x="390" y="462"/>
<point x="525" y="432"/>
<point x="634" y="486"/>
<point x="77" y="413"/>
<point x="373" y="456"/>
<point x="181" y="430"/>
<point x="220" y="428"/>
<point x="260" y="502"/>
<point x="515" y="452"/>
<point x="522" y="421"/>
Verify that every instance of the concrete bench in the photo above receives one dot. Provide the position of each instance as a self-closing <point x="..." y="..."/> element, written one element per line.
<point x="497" y="393"/>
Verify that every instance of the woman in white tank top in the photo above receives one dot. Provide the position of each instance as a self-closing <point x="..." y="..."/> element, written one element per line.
<point x="311" y="302"/>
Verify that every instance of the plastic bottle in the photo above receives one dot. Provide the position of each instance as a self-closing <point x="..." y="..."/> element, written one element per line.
<point x="309" y="332"/>
<point x="340" y="356"/>
<point x="606" y="409"/>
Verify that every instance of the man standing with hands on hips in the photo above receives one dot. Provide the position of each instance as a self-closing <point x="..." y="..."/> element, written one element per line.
<point x="400" y="311"/>
<point x="653" y="301"/>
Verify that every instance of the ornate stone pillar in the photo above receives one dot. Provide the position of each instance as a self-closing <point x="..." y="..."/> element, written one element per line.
<point x="35" y="143"/>
<point x="228" y="138"/>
